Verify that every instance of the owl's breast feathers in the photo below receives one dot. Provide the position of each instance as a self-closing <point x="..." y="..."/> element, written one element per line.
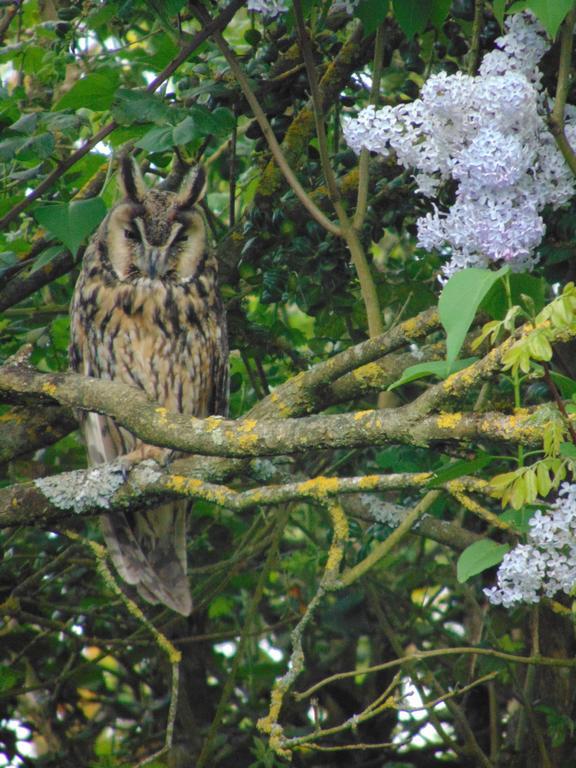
<point x="167" y="337"/>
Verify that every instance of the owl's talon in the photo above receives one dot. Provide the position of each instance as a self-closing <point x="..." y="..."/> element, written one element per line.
<point x="124" y="464"/>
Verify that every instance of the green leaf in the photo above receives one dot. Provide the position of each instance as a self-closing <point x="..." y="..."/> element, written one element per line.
<point x="519" y="518"/>
<point x="566" y="385"/>
<point x="9" y="677"/>
<point x="568" y="450"/>
<point x="36" y="147"/>
<point x="71" y="222"/>
<point x="185" y="132"/>
<point x="459" y="302"/>
<point x="551" y="13"/>
<point x="218" y="122"/>
<point x="521" y="285"/>
<point x="438" y="11"/>
<point x="26" y="123"/>
<point x="99" y="17"/>
<point x="138" y="107"/>
<point x="94" y="91"/>
<point x="8" y="259"/>
<point x="371" y="13"/>
<point x="460" y="468"/>
<point x="499" y="6"/>
<point x="440" y="368"/>
<point x="157" y="140"/>
<point x="165" y="50"/>
<point x="412" y="15"/>
<point x="479" y="557"/>
<point x="8" y="148"/>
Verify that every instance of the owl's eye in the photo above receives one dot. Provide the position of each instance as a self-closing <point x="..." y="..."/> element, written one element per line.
<point x="181" y="237"/>
<point x="132" y="234"/>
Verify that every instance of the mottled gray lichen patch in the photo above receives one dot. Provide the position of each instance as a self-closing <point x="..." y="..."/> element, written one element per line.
<point x="145" y="473"/>
<point x="384" y="511"/>
<point x="82" y="491"/>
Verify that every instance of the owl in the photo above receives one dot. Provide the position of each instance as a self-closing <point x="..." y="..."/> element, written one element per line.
<point x="147" y="311"/>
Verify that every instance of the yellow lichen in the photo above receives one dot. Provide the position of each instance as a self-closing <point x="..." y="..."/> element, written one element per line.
<point x="371" y="373"/>
<point x="448" y="420"/>
<point x="411" y="327"/>
<point x="212" y="422"/>
<point x="369" y="482"/>
<point x="284" y="410"/>
<point x="320" y="486"/>
<point x="162" y="414"/>
<point x="247" y="425"/>
<point x="245" y="441"/>
<point x="362" y="415"/>
<point x="50" y="389"/>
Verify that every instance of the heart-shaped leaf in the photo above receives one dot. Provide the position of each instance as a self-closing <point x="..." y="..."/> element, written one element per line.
<point x="71" y="223"/>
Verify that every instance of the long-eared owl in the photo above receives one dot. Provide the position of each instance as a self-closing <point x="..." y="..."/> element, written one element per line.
<point x="146" y="311"/>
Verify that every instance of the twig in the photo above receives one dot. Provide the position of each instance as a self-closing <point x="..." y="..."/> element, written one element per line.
<point x="477" y="24"/>
<point x="562" y="87"/>
<point x="544" y="661"/>
<point x="385" y="547"/>
<point x="266" y="128"/>
<point x="363" y="163"/>
<point x="558" y="399"/>
<point x="347" y="231"/>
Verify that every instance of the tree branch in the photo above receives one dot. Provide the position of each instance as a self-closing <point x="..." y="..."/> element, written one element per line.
<point x="250" y="437"/>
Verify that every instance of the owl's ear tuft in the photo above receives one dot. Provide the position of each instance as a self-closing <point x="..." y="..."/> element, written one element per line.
<point x="131" y="181"/>
<point x="192" y="189"/>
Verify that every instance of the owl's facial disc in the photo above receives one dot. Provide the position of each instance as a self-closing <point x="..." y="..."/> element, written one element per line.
<point x="156" y="239"/>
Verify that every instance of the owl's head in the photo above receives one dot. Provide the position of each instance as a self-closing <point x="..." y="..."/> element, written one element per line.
<point x="153" y="234"/>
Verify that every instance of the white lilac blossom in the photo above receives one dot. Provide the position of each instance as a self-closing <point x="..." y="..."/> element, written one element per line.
<point x="272" y="8"/>
<point x="269" y="8"/>
<point x="488" y="134"/>
<point x="546" y="564"/>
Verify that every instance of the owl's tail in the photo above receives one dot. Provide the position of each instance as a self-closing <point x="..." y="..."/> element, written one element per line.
<point x="149" y="552"/>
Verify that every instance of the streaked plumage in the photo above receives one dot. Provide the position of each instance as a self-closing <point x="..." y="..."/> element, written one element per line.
<point x="147" y="311"/>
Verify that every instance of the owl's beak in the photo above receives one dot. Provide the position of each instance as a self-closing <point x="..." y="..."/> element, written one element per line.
<point x="156" y="266"/>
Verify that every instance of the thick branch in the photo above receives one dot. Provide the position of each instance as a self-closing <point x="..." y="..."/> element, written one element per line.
<point x="88" y="492"/>
<point x="250" y="437"/>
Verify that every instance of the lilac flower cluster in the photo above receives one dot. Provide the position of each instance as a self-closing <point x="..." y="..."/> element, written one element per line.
<point x="489" y="135"/>
<point x="272" y="8"/>
<point x="547" y="563"/>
